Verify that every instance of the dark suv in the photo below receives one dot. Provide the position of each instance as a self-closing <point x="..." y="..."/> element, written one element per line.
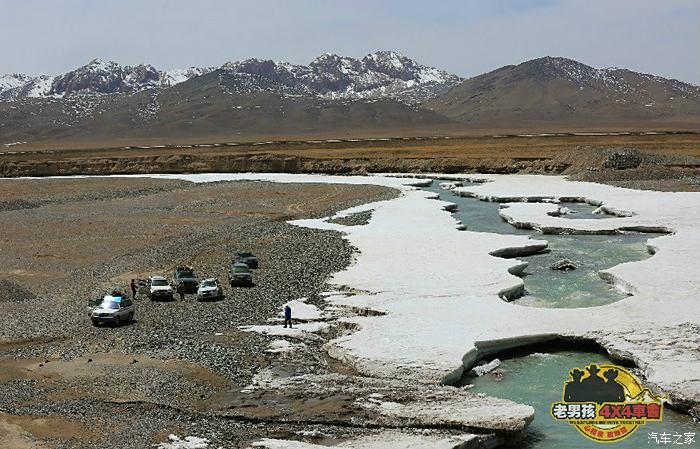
<point x="184" y="275"/>
<point x="247" y="258"/>
<point x="239" y="275"/>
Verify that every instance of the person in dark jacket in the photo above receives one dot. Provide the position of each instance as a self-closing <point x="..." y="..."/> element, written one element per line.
<point x="181" y="290"/>
<point x="287" y="316"/>
<point x="133" y="288"/>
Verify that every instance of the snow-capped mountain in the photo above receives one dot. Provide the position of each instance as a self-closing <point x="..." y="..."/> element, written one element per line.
<point x="383" y="74"/>
<point x="95" y="78"/>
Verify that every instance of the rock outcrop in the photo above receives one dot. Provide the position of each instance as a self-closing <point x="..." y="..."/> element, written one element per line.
<point x="563" y="265"/>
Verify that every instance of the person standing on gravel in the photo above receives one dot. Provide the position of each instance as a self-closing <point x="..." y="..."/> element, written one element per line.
<point x="133" y="288"/>
<point x="181" y="291"/>
<point x="287" y="316"/>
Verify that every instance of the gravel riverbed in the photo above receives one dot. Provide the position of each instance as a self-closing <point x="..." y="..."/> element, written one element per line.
<point x="67" y="241"/>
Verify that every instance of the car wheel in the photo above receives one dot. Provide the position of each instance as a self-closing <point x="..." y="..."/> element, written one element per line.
<point x="95" y="322"/>
<point x="131" y="317"/>
<point x="117" y="322"/>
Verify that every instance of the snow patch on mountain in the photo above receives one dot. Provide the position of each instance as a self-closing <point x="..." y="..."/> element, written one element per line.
<point x="620" y="81"/>
<point x="383" y="74"/>
<point x="13" y="80"/>
<point x="98" y="77"/>
<point x="176" y="76"/>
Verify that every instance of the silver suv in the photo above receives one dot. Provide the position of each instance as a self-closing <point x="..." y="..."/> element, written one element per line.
<point x="210" y="289"/>
<point x="115" y="310"/>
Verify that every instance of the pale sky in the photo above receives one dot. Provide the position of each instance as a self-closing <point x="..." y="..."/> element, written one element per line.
<point x="465" y="37"/>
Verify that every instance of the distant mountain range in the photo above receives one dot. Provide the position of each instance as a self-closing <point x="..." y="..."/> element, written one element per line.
<point x="384" y="74"/>
<point x="333" y="94"/>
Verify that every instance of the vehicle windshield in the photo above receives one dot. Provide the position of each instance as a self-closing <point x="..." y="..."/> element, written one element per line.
<point x="113" y="305"/>
<point x="240" y="269"/>
<point x="185" y="274"/>
<point x="159" y="283"/>
<point x="208" y="284"/>
<point x="245" y="254"/>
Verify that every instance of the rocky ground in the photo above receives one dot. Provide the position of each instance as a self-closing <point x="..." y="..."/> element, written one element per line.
<point x="65" y="383"/>
<point x="634" y="169"/>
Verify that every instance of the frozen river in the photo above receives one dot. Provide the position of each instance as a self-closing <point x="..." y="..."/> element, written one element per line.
<point x="544" y="287"/>
<point x="434" y="291"/>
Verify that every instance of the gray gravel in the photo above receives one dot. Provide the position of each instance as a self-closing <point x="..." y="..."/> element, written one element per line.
<point x="294" y="262"/>
<point x="356" y="219"/>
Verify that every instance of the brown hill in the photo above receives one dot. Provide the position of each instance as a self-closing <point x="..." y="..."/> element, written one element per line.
<point x="559" y="91"/>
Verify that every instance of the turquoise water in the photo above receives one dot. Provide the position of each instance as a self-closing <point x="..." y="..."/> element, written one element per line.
<point x="537" y="380"/>
<point x="545" y="287"/>
<point x="583" y="286"/>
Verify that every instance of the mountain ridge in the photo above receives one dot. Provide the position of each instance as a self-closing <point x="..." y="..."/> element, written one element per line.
<point x="383" y="74"/>
<point x="558" y="89"/>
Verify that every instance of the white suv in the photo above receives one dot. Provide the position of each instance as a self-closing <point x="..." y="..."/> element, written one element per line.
<point x="210" y="289"/>
<point x="159" y="289"/>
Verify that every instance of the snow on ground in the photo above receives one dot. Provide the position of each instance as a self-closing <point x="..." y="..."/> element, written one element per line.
<point x="302" y="311"/>
<point x="443" y="303"/>
<point x="278" y="346"/>
<point x="187" y="443"/>
<point x="300" y="330"/>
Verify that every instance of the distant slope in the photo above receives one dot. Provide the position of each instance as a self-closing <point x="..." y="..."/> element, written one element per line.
<point x="560" y="91"/>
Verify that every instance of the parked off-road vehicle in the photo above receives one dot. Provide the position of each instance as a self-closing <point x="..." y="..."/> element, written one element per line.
<point x="210" y="290"/>
<point x="159" y="289"/>
<point x="247" y="258"/>
<point x="184" y="275"/>
<point x="115" y="310"/>
<point x="239" y="275"/>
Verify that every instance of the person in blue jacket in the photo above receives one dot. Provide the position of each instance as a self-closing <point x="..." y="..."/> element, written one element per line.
<point x="287" y="315"/>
